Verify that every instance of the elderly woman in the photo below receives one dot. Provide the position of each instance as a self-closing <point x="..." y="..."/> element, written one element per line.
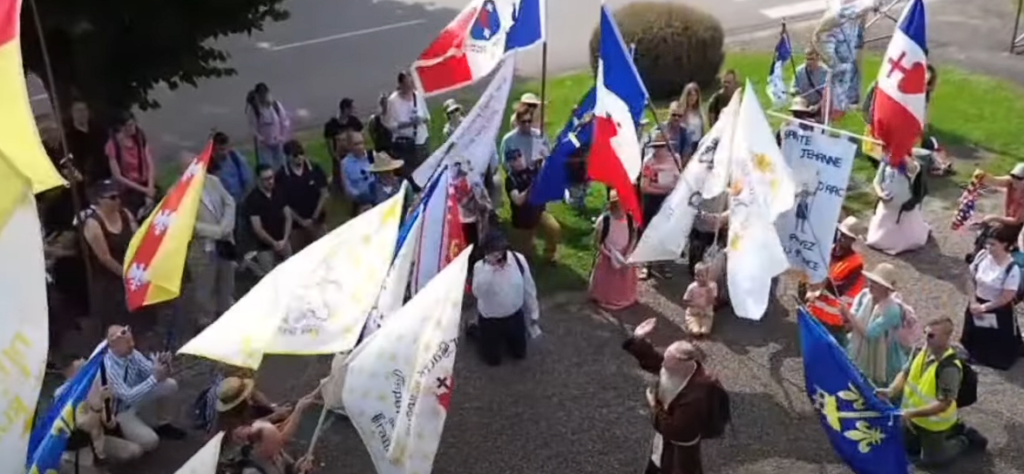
<point x="991" y="333"/>
<point x="386" y="182"/>
<point x="898" y="224"/>
<point x="873" y="319"/>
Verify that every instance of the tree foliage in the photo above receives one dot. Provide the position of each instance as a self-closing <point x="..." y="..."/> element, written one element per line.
<point x="113" y="53"/>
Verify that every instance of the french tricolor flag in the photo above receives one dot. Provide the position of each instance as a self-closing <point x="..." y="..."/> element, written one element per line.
<point x="899" y="108"/>
<point x="619" y="96"/>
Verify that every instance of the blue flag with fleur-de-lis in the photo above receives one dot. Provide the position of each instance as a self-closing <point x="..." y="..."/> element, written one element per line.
<point x="864" y="430"/>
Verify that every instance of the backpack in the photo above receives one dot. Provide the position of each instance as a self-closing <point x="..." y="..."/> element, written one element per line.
<point x="720" y="411"/>
<point x="1018" y="262"/>
<point x="204" y="409"/>
<point x="918" y="190"/>
<point x="968" y="393"/>
<point x="910" y="332"/>
<point x="606" y="220"/>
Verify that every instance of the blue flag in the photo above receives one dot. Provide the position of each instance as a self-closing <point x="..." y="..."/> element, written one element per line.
<point x="527" y="25"/>
<point x="553" y="179"/>
<point x="865" y="431"/>
<point x="50" y="434"/>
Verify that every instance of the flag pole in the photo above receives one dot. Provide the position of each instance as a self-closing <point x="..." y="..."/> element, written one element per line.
<point x="789" y="42"/>
<point x="544" y="71"/>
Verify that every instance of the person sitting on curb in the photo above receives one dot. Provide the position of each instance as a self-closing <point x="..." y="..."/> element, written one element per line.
<point x="929" y="386"/>
<point x="137" y="381"/>
<point x="239" y="404"/>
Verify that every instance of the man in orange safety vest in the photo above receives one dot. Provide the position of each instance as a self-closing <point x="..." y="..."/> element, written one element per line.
<point x="845" y="280"/>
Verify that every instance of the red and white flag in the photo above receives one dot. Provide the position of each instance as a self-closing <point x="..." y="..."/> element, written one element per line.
<point x="899" y="107"/>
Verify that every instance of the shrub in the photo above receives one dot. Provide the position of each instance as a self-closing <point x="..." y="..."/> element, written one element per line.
<point x="675" y="44"/>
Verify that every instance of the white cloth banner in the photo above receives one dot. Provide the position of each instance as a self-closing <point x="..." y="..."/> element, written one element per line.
<point x="432" y="246"/>
<point x="399" y="381"/>
<point x="821" y="166"/>
<point x="392" y="295"/>
<point x="669" y="230"/>
<point x="24" y="333"/>
<point x="316" y="302"/>
<point x="476" y="137"/>
<point x="205" y="460"/>
<point x="721" y="163"/>
<point x="761" y="188"/>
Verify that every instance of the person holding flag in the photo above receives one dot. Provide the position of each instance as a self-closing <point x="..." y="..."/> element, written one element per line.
<point x="900" y="100"/>
<point x="108" y="231"/>
<point x="620" y="99"/>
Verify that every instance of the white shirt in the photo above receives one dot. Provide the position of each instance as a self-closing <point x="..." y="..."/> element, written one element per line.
<point x="401" y="110"/>
<point x="991" y="279"/>
<point x="501" y="291"/>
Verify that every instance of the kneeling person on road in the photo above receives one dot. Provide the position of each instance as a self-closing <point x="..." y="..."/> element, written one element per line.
<point x="506" y="301"/>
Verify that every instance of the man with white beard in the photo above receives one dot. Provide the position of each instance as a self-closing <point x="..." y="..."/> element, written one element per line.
<point x="687" y="403"/>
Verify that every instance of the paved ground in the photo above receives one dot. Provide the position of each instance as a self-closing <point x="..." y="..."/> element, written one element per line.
<point x="576" y="404"/>
<point x="329" y="49"/>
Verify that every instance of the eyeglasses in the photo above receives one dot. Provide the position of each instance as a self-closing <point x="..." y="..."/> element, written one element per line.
<point x="676" y="115"/>
<point x="525" y="122"/>
<point x="267" y="179"/>
<point x="112" y="197"/>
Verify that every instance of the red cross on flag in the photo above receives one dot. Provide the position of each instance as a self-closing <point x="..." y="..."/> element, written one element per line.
<point x="899" y="109"/>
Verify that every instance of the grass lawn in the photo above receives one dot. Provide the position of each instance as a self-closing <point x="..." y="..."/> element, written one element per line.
<point x="972" y="116"/>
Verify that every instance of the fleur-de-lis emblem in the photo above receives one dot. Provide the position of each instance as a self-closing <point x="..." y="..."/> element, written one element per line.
<point x="763" y="164"/>
<point x="163" y="221"/>
<point x="138" y="276"/>
<point x="853" y="395"/>
<point x="865" y="435"/>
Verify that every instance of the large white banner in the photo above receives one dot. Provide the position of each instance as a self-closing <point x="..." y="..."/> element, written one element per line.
<point x="761" y="188"/>
<point x="316" y="302"/>
<point x="821" y="166"/>
<point x="399" y="382"/>
<point x="476" y="137"/>
<point x="392" y="295"/>
<point x="24" y="333"/>
<point x="205" y="460"/>
<point x="669" y="230"/>
<point x="721" y="163"/>
<point x="432" y="234"/>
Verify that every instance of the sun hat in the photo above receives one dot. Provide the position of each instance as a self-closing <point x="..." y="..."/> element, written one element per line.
<point x="383" y="162"/>
<point x="1018" y="171"/>
<point x="884" y="274"/>
<point x="851" y="226"/>
<point x="800" y="104"/>
<point x="232" y="391"/>
<point x="529" y="98"/>
<point x="451" y="105"/>
<point x="658" y="140"/>
<point x="613" y="196"/>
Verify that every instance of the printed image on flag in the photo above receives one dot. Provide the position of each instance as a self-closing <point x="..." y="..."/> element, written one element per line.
<point x="440" y="235"/>
<point x="899" y="102"/>
<point x="865" y="431"/>
<point x="473" y="44"/>
<point x="51" y="433"/>
<point x="155" y="260"/>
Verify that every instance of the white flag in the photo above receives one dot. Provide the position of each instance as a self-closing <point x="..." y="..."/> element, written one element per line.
<point x="316" y="302"/>
<point x="718" y="180"/>
<point x="205" y="460"/>
<point x="399" y="381"/>
<point x="761" y="187"/>
<point x="392" y="295"/>
<point x="476" y="137"/>
<point x="669" y="230"/>
<point x="822" y="165"/>
<point x="24" y="333"/>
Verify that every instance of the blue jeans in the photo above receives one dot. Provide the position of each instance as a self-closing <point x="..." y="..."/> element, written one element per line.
<point x="270" y="155"/>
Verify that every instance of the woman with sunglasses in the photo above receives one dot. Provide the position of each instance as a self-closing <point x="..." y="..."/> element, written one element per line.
<point x="108" y="230"/>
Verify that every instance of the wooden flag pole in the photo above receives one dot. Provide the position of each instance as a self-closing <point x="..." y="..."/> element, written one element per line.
<point x="544" y="74"/>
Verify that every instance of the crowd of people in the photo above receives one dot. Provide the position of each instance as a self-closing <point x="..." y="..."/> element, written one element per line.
<point x="255" y="214"/>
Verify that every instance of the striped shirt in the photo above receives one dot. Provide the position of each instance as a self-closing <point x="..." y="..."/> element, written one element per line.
<point x="130" y="378"/>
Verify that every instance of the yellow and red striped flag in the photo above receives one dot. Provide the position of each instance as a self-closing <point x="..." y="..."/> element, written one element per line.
<point x="19" y="137"/>
<point x="156" y="256"/>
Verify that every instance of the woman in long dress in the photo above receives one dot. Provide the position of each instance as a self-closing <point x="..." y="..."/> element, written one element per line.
<point x="613" y="282"/>
<point x="874" y="317"/>
<point x="991" y="333"/>
<point x="898" y="224"/>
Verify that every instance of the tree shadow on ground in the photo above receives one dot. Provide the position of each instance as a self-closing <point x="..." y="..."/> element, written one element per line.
<point x="931" y="261"/>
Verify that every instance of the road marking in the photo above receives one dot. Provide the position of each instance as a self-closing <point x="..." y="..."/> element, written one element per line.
<point x="794" y="9"/>
<point x="272" y="47"/>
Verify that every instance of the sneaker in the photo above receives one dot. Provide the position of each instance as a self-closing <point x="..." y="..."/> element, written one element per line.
<point x="975" y="440"/>
<point x="169" y="431"/>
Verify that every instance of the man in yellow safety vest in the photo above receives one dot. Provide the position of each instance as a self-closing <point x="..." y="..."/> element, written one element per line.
<point x="928" y="386"/>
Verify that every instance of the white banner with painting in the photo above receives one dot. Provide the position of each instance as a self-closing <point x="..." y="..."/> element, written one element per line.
<point x="821" y="165"/>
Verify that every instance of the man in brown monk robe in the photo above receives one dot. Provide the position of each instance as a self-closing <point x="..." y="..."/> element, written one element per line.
<point x="683" y="401"/>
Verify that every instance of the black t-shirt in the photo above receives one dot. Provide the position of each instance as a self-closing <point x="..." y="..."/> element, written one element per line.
<point x="87" y="152"/>
<point x="718" y="102"/>
<point x="335" y="127"/>
<point x="527" y="215"/>
<point x="380" y="134"/>
<point x="302" y="191"/>
<point x="270" y="210"/>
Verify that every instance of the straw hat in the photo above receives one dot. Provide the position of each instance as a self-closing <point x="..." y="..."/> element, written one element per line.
<point x="800" y="104"/>
<point x="451" y="105"/>
<point x="658" y="140"/>
<point x="529" y="98"/>
<point x="884" y="274"/>
<point x="232" y="391"/>
<point x="851" y="226"/>
<point x="1018" y="171"/>
<point x="613" y="196"/>
<point x="383" y="162"/>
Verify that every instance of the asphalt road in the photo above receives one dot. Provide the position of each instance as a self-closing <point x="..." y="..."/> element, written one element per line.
<point x="331" y="48"/>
